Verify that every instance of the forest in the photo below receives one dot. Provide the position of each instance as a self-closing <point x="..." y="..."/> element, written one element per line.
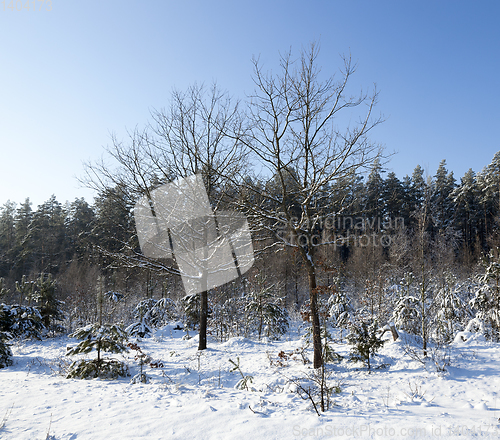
<point x="335" y="239"/>
<point x="396" y="238"/>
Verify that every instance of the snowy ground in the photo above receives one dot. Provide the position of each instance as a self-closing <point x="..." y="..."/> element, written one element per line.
<point x="194" y="396"/>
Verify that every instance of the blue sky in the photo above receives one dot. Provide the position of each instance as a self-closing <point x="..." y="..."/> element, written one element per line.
<point x="71" y="76"/>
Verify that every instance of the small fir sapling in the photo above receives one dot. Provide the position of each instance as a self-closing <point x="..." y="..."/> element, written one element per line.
<point x="103" y="338"/>
<point x="365" y="341"/>
<point x="21" y="321"/>
<point x="151" y="313"/>
<point x="264" y="309"/>
<point x="50" y="306"/>
<point x="191" y="305"/>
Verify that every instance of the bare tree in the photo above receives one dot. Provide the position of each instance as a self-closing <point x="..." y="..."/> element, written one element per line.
<point x="293" y="135"/>
<point x="187" y="138"/>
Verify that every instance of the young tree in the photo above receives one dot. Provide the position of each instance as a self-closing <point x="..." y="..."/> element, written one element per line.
<point x="293" y="135"/>
<point x="50" y="307"/>
<point x="187" y="138"/>
<point x="365" y="341"/>
<point x="265" y="310"/>
<point x="486" y="301"/>
<point x="108" y="338"/>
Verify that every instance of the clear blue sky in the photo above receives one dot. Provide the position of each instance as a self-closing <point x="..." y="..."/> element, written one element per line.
<point x="72" y="75"/>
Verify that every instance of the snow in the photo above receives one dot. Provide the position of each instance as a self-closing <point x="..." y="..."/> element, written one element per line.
<point x="192" y="394"/>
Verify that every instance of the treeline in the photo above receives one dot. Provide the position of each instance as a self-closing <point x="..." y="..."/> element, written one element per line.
<point x="75" y="241"/>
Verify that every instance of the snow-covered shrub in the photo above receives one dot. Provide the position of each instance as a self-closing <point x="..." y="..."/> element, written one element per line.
<point x="107" y="338"/>
<point x="21" y="321"/>
<point x="265" y="313"/>
<point x="486" y="301"/>
<point x="450" y="310"/>
<point x="150" y="314"/>
<point x="340" y="309"/>
<point x="406" y="314"/>
<point x="5" y="353"/>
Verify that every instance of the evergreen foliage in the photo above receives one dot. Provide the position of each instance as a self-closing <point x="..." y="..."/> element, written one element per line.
<point x="50" y="307"/>
<point x="21" y="321"/>
<point x="5" y="352"/>
<point x="365" y="341"/>
<point x="103" y="338"/>
<point x="150" y="314"/>
<point x="264" y="310"/>
<point x="486" y="301"/>
<point x="450" y="310"/>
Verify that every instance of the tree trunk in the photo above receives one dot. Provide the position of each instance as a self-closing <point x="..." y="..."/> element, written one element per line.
<point x="202" y="343"/>
<point x="313" y="299"/>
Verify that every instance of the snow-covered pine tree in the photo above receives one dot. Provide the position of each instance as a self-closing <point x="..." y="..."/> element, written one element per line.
<point x="191" y="304"/>
<point x="264" y="310"/>
<point x="406" y="314"/>
<point x="340" y="309"/>
<point x="451" y="312"/>
<point x="50" y="306"/>
<point x="365" y="341"/>
<point x="151" y="313"/>
<point x="486" y="302"/>
<point x="5" y="353"/>
<point x="21" y="321"/>
<point x="103" y="338"/>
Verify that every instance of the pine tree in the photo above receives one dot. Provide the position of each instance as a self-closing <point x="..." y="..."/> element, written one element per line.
<point x="466" y="199"/>
<point x="374" y="203"/>
<point x="393" y="196"/>
<point x="23" y="246"/>
<point x="50" y="306"/>
<point x="489" y="183"/>
<point x="21" y="321"/>
<point x="7" y="237"/>
<point x="406" y="314"/>
<point x="46" y="234"/>
<point x="5" y="352"/>
<point x="264" y="309"/>
<point x="103" y="338"/>
<point x="78" y="222"/>
<point x="450" y="311"/>
<point x="486" y="302"/>
<point x="340" y="309"/>
<point x="365" y="341"/>
<point x="151" y="313"/>
<point x="441" y="201"/>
